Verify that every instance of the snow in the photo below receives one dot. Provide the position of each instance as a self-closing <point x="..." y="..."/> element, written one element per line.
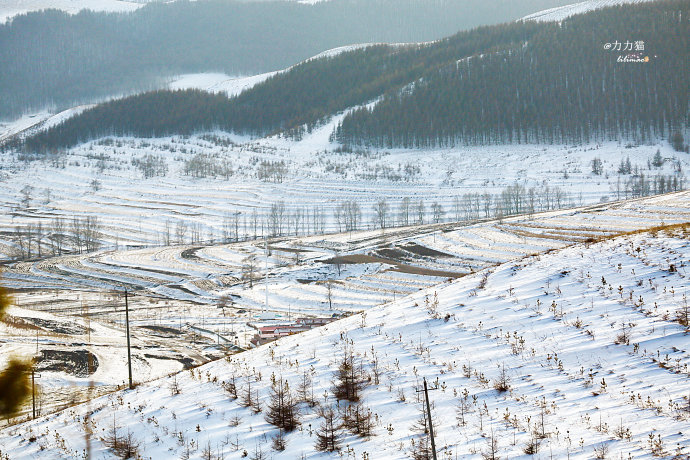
<point x="562" y="12"/>
<point x="165" y="280"/>
<point x="134" y="210"/>
<point x="35" y="122"/>
<point x="218" y="82"/>
<point x="551" y="320"/>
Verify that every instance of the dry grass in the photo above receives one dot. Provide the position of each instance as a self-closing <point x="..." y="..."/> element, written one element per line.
<point x="20" y="323"/>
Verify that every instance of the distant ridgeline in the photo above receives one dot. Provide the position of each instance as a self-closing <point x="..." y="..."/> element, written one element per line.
<point x="519" y="82"/>
<point x="560" y="86"/>
<point x="54" y="59"/>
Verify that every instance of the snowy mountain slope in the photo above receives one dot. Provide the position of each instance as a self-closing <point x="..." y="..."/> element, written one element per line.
<point x="33" y="123"/>
<point x="11" y="8"/>
<point x="211" y="82"/>
<point x="219" y="82"/>
<point x="562" y="12"/>
<point x="593" y="358"/>
<point x="176" y="292"/>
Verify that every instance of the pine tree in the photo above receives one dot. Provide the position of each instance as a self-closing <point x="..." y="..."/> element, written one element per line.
<point x="677" y="141"/>
<point x="329" y="433"/>
<point x="282" y="408"/>
<point x="349" y="379"/>
<point x="358" y="419"/>
<point x="421" y="443"/>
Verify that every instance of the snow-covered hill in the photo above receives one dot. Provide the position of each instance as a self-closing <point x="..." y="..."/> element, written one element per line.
<point x="232" y="86"/>
<point x="11" y="8"/>
<point x="571" y="354"/>
<point x="562" y="12"/>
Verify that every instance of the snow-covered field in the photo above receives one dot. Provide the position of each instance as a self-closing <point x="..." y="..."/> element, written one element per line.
<point x="562" y="12"/>
<point x="588" y="336"/>
<point x="373" y="264"/>
<point x="103" y="179"/>
<point x="175" y="292"/>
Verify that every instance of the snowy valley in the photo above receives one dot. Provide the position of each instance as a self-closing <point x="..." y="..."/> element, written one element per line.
<point x="202" y="264"/>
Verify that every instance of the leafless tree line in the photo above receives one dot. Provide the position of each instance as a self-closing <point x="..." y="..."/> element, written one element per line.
<point x="349" y="215"/>
<point x="280" y="219"/>
<point x="83" y="234"/>
<point x="639" y="185"/>
<point x="59" y="236"/>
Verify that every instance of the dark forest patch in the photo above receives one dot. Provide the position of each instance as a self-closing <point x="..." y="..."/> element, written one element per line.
<point x="80" y="363"/>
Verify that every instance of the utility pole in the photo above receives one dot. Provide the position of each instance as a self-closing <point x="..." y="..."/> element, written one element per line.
<point x="33" y="390"/>
<point x="428" y="417"/>
<point x="266" y="275"/>
<point x="129" y="350"/>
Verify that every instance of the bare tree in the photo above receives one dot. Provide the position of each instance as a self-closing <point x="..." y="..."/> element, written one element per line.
<point x="96" y="185"/>
<point x="467" y="203"/>
<point x="27" y="193"/>
<point x="166" y="233"/>
<point x="297" y="220"/>
<point x="77" y="233"/>
<point x="196" y="232"/>
<point x="91" y="230"/>
<point x="277" y="218"/>
<point x="226" y="228"/>
<point x="421" y="210"/>
<point x="421" y="449"/>
<point x="381" y="212"/>
<point x="236" y="224"/>
<point x="39" y="237"/>
<point x="531" y="200"/>
<point x="339" y="216"/>
<point x="437" y="211"/>
<point x="457" y="207"/>
<point x="488" y="201"/>
<point x="124" y="446"/>
<point x="249" y="397"/>
<point x="58" y="235"/>
<point x="249" y="265"/>
<point x="180" y="231"/>
<point x="464" y="406"/>
<point x="492" y="447"/>
<point x="353" y="215"/>
<point x="597" y="166"/>
<point x="404" y="213"/>
<point x="255" y="222"/>
<point x="329" y="294"/>
<point x="29" y="234"/>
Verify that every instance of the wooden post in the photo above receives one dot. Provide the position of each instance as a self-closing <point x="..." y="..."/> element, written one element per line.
<point x="129" y="351"/>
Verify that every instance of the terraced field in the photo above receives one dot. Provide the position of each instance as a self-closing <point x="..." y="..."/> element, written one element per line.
<point x="363" y="269"/>
<point x="580" y="353"/>
<point x="191" y="304"/>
